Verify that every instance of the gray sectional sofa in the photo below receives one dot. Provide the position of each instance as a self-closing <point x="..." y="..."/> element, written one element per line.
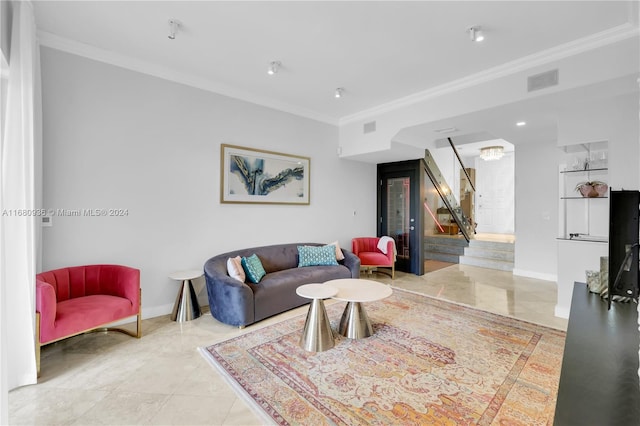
<point x="235" y="303"/>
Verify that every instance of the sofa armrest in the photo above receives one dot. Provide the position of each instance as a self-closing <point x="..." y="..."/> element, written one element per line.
<point x="352" y="262"/>
<point x="230" y="301"/>
<point x="46" y="304"/>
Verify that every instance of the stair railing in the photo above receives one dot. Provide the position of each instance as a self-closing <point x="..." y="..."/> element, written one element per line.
<point x="444" y="190"/>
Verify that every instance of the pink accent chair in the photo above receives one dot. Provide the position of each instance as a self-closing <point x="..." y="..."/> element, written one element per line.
<point x="78" y="299"/>
<point x="366" y="248"/>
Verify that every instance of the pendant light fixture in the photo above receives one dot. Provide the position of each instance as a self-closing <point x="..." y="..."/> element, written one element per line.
<point x="491" y="153"/>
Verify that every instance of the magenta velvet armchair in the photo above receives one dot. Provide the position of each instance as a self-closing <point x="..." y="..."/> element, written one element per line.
<point x="366" y="248"/>
<point x="74" y="300"/>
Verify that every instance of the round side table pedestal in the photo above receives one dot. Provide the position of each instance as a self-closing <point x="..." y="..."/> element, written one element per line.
<point x="186" y="307"/>
<point x="317" y="335"/>
<point x="355" y="323"/>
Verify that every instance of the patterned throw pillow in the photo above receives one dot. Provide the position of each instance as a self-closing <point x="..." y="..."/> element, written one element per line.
<point x="317" y="256"/>
<point x="253" y="268"/>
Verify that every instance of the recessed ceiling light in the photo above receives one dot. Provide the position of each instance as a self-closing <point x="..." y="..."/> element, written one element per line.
<point x="274" y="66"/>
<point x="521" y="123"/>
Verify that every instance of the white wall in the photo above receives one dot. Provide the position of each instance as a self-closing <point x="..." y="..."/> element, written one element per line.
<point x="536" y="210"/>
<point x="495" y="194"/>
<point x="114" y="138"/>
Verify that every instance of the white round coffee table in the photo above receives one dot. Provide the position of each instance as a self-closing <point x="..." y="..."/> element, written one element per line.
<point x="317" y="335"/>
<point x="186" y="307"/>
<point x="355" y="322"/>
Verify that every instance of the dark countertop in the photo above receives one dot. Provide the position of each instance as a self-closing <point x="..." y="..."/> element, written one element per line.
<point x="599" y="382"/>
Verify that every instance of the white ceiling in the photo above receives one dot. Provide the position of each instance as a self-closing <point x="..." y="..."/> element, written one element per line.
<point x="378" y="51"/>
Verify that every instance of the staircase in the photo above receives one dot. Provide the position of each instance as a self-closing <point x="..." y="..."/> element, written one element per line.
<point x="446" y="195"/>
<point x="489" y="254"/>
<point x="444" y="249"/>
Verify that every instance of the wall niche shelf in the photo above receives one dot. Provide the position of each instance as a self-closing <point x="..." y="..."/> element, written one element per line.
<point x="587" y="217"/>
<point x="600" y="169"/>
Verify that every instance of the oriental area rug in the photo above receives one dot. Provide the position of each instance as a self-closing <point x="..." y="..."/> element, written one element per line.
<point x="429" y="362"/>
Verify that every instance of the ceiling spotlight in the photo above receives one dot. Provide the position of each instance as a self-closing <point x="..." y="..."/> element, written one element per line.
<point x="273" y="67"/>
<point x="173" y="28"/>
<point x="521" y="123"/>
<point x="476" y="34"/>
<point x="338" y="93"/>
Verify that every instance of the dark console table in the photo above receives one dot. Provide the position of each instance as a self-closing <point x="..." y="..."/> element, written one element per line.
<point x="599" y="382"/>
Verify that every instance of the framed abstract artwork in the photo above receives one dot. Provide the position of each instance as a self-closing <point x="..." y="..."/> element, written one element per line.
<point x="256" y="176"/>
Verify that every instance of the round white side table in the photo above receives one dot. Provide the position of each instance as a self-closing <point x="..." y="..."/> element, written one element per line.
<point x="186" y="307"/>
<point x="317" y="335"/>
<point x="355" y="323"/>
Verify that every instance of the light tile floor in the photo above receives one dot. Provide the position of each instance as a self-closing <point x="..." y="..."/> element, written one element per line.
<point x="161" y="379"/>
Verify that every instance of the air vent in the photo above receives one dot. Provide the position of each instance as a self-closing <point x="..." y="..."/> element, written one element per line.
<point x="542" y="81"/>
<point x="447" y="130"/>
<point x="369" y="127"/>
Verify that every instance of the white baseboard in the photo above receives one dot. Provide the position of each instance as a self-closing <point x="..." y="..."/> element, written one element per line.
<point x="157" y="311"/>
<point x="562" y="312"/>
<point x="536" y="275"/>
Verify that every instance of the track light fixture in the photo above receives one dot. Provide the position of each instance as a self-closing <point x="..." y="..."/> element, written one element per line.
<point x="273" y="67"/>
<point x="173" y="28"/>
<point x="338" y="93"/>
<point x="476" y="34"/>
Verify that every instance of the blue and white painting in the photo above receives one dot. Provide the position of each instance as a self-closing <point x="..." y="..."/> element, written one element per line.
<point x="264" y="177"/>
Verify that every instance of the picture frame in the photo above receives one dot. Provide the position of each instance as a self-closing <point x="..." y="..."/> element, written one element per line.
<point x="256" y="176"/>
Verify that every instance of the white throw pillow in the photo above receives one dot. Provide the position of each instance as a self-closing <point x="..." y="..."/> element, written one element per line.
<point x="234" y="268"/>
<point x="339" y="255"/>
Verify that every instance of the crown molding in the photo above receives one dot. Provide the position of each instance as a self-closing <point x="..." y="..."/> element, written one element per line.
<point x="603" y="38"/>
<point x="95" y="53"/>
<point x="556" y="53"/>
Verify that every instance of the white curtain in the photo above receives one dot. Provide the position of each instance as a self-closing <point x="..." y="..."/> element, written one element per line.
<point x="19" y="147"/>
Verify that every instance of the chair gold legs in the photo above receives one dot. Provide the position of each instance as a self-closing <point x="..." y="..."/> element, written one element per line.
<point x="369" y="269"/>
<point x="38" y="343"/>
<point x="137" y="333"/>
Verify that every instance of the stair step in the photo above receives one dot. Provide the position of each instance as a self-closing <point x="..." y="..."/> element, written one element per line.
<point x="457" y="250"/>
<point x="492" y="245"/>
<point x="503" y="255"/>
<point x="486" y="263"/>
<point x="444" y="249"/>
<point x="442" y="257"/>
<point x="446" y="241"/>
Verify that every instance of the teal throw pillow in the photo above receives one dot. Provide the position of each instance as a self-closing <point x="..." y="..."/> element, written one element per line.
<point x="253" y="268"/>
<point x="317" y="256"/>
